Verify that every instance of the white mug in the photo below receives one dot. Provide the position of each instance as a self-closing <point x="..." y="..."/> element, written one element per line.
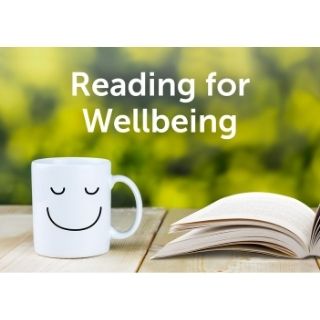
<point x="71" y="204"/>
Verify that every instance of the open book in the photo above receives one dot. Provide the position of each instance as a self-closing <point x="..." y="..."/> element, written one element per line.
<point x="266" y="223"/>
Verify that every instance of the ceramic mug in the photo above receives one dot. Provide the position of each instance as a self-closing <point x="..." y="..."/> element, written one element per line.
<point x="71" y="204"/>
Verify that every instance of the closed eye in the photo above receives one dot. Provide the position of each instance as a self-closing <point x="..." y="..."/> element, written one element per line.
<point x="58" y="192"/>
<point x="91" y="193"/>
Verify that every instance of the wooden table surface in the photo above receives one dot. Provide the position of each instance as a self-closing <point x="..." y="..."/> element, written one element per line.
<point x="132" y="254"/>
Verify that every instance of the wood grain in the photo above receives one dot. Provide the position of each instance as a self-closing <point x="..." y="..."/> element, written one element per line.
<point x="216" y="261"/>
<point x="17" y="254"/>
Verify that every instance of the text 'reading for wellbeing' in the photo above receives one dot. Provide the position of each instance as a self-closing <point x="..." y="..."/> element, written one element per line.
<point x="149" y="119"/>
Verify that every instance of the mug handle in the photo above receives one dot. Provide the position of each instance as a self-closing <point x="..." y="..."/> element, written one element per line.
<point x="115" y="234"/>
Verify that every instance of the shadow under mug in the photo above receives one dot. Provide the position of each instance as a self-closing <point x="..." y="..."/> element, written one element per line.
<point x="71" y="204"/>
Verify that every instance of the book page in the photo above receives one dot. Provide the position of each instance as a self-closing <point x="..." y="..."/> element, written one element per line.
<point x="212" y="238"/>
<point x="284" y="211"/>
<point x="315" y="236"/>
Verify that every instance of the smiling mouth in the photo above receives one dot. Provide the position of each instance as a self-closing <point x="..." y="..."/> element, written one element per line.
<point x="78" y="229"/>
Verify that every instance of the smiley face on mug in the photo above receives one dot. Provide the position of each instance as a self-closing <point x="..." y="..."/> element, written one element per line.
<point x="71" y="205"/>
<point x="61" y="192"/>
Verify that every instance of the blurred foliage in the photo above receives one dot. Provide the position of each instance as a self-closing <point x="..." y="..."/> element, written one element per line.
<point x="276" y="149"/>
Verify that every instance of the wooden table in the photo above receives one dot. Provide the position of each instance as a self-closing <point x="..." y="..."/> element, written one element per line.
<point x="130" y="255"/>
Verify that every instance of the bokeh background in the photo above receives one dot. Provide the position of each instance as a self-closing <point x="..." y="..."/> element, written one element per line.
<point x="276" y="149"/>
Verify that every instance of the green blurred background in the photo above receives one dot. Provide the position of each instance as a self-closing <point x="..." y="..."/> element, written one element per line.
<point x="276" y="149"/>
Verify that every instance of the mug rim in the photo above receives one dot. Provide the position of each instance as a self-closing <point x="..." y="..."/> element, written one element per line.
<point x="68" y="161"/>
